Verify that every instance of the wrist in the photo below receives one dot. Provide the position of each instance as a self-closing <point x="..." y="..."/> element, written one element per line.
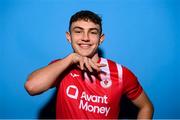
<point x="71" y="58"/>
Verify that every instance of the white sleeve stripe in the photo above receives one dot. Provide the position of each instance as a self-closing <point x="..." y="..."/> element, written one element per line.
<point x="119" y="67"/>
<point x="106" y="68"/>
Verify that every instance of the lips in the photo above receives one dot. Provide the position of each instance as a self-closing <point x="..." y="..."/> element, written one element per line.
<point x="85" y="46"/>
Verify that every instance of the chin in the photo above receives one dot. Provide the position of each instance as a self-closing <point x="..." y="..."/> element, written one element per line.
<point x="86" y="54"/>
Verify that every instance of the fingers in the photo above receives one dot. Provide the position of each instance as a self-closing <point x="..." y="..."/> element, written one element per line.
<point x="101" y="65"/>
<point x="77" y="59"/>
<point x="81" y="63"/>
<point x="94" y="65"/>
<point x="90" y="65"/>
<point x="86" y="63"/>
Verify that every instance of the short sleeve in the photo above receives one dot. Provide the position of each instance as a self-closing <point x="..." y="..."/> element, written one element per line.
<point x="131" y="87"/>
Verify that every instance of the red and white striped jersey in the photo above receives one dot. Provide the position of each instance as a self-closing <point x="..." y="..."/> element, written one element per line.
<point x="83" y="95"/>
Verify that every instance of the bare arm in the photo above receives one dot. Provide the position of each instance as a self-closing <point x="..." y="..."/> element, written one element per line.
<point x="44" y="78"/>
<point x="145" y="107"/>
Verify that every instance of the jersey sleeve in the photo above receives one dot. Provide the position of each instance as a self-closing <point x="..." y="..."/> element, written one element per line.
<point x="131" y="87"/>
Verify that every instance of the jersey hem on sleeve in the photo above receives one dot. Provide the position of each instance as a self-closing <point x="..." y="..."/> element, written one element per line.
<point x="138" y="93"/>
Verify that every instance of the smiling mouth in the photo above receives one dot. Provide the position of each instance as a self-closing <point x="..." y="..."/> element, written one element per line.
<point x="85" y="46"/>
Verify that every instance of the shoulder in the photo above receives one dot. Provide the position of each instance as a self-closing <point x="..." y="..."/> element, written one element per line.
<point x="122" y="69"/>
<point x="110" y="63"/>
<point x="113" y="66"/>
<point x="128" y="73"/>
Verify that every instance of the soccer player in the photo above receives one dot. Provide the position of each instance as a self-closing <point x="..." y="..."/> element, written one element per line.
<point x="89" y="86"/>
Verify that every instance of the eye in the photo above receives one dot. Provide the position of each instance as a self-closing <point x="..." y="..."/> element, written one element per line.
<point x="77" y="31"/>
<point x="94" y="32"/>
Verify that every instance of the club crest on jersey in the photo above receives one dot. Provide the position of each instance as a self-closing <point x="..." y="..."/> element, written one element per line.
<point x="106" y="83"/>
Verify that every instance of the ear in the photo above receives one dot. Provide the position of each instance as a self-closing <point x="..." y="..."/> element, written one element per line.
<point x="102" y="37"/>
<point x="68" y="36"/>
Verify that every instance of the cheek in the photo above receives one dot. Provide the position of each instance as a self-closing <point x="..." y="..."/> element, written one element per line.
<point x="95" y="40"/>
<point x="76" y="37"/>
<point x="74" y="40"/>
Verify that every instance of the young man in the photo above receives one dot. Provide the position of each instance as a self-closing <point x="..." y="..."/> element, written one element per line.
<point x="88" y="86"/>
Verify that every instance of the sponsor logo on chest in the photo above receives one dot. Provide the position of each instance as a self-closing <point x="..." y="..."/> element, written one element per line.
<point x="87" y="102"/>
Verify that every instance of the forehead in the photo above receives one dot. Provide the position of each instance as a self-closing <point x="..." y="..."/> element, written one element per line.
<point x="84" y="24"/>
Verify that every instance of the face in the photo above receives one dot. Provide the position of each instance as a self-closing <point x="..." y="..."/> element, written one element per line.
<point x="85" y="37"/>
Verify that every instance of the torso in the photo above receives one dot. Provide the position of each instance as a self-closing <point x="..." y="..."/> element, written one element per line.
<point x="81" y="95"/>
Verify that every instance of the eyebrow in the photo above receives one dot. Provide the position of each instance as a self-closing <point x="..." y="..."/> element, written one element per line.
<point x="77" y="27"/>
<point x="94" y="29"/>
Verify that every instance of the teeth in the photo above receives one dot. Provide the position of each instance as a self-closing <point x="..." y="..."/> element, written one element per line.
<point x="85" y="45"/>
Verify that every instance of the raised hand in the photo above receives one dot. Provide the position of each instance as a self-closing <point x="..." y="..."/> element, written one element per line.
<point x="86" y="63"/>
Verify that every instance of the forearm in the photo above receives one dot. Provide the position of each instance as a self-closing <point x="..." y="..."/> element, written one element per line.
<point x="44" y="78"/>
<point x="146" y="112"/>
<point x="145" y="106"/>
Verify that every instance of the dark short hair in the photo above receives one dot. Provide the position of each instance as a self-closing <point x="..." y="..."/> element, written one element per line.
<point x="86" y="15"/>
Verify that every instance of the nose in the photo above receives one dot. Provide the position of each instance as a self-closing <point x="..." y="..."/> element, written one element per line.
<point x="85" y="37"/>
